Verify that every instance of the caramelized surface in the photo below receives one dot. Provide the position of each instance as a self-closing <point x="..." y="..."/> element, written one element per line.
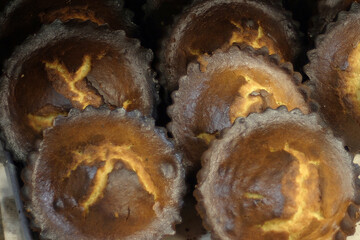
<point x="44" y="117"/>
<point x="249" y="37"/>
<point x="234" y="85"/>
<point x="275" y="179"/>
<point x="73" y="85"/>
<point x="70" y="65"/>
<point x="110" y="155"/>
<point x="118" y="180"/>
<point x="303" y="208"/>
<point x="210" y="25"/>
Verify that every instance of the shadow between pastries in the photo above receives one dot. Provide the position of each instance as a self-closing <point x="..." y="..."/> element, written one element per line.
<point x="206" y="26"/>
<point x="101" y="174"/>
<point x="225" y="86"/>
<point x="334" y="72"/>
<point x="70" y="65"/>
<point x="278" y="175"/>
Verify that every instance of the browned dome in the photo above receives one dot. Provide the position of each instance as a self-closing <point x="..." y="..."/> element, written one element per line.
<point x="118" y="177"/>
<point x="278" y="175"/>
<point x="71" y="65"/>
<point x="333" y="70"/>
<point x="225" y="86"/>
<point x="207" y="26"/>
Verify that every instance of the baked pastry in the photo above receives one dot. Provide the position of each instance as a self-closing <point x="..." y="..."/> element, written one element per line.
<point x="207" y="26"/>
<point x="333" y="71"/>
<point x="70" y="65"/>
<point x="24" y="17"/>
<point x="226" y="86"/>
<point x="118" y="177"/>
<point x="278" y="175"/>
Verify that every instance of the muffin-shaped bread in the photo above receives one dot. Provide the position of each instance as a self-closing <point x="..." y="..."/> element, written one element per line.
<point x="226" y="86"/>
<point x="71" y="65"/>
<point x="102" y="174"/>
<point x="278" y="175"/>
<point x="334" y="72"/>
<point x="25" y="17"/>
<point x="206" y="26"/>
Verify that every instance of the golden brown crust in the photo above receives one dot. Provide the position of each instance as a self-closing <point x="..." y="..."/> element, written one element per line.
<point x="206" y="26"/>
<point x="225" y="86"/>
<point x="333" y="73"/>
<point x="73" y="65"/>
<point x="118" y="177"/>
<point x="289" y="177"/>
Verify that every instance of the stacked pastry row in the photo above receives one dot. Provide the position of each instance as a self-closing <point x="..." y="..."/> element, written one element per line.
<point x="269" y="165"/>
<point x="78" y="102"/>
<point x="263" y="177"/>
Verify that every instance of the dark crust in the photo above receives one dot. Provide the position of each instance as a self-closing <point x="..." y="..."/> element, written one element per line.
<point x="324" y="81"/>
<point x="16" y="22"/>
<point x="326" y="14"/>
<point x="244" y="126"/>
<point x="162" y="225"/>
<point x="188" y="82"/>
<point x="168" y="47"/>
<point x="49" y="35"/>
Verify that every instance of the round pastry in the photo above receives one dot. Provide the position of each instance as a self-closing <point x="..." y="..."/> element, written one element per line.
<point x="71" y="65"/>
<point x="22" y="18"/>
<point x="104" y="174"/>
<point x="334" y="72"/>
<point x="207" y="26"/>
<point x="278" y="175"/>
<point x="226" y="86"/>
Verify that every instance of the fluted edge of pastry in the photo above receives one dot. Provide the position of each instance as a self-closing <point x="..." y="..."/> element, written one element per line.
<point x="263" y="53"/>
<point x="171" y="84"/>
<point x="58" y="31"/>
<point x="159" y="227"/>
<point x="347" y="226"/>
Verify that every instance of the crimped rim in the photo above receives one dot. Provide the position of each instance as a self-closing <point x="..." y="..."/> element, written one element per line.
<point x="243" y="126"/>
<point x="236" y="51"/>
<point x="198" y="7"/>
<point x="163" y="224"/>
<point x="317" y="55"/>
<point x="58" y="31"/>
<point x="326" y="13"/>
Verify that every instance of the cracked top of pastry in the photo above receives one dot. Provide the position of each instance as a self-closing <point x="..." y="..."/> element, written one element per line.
<point x="70" y="65"/>
<point x="223" y="87"/>
<point x="117" y="176"/>
<point x="277" y="175"/>
<point x="207" y="26"/>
